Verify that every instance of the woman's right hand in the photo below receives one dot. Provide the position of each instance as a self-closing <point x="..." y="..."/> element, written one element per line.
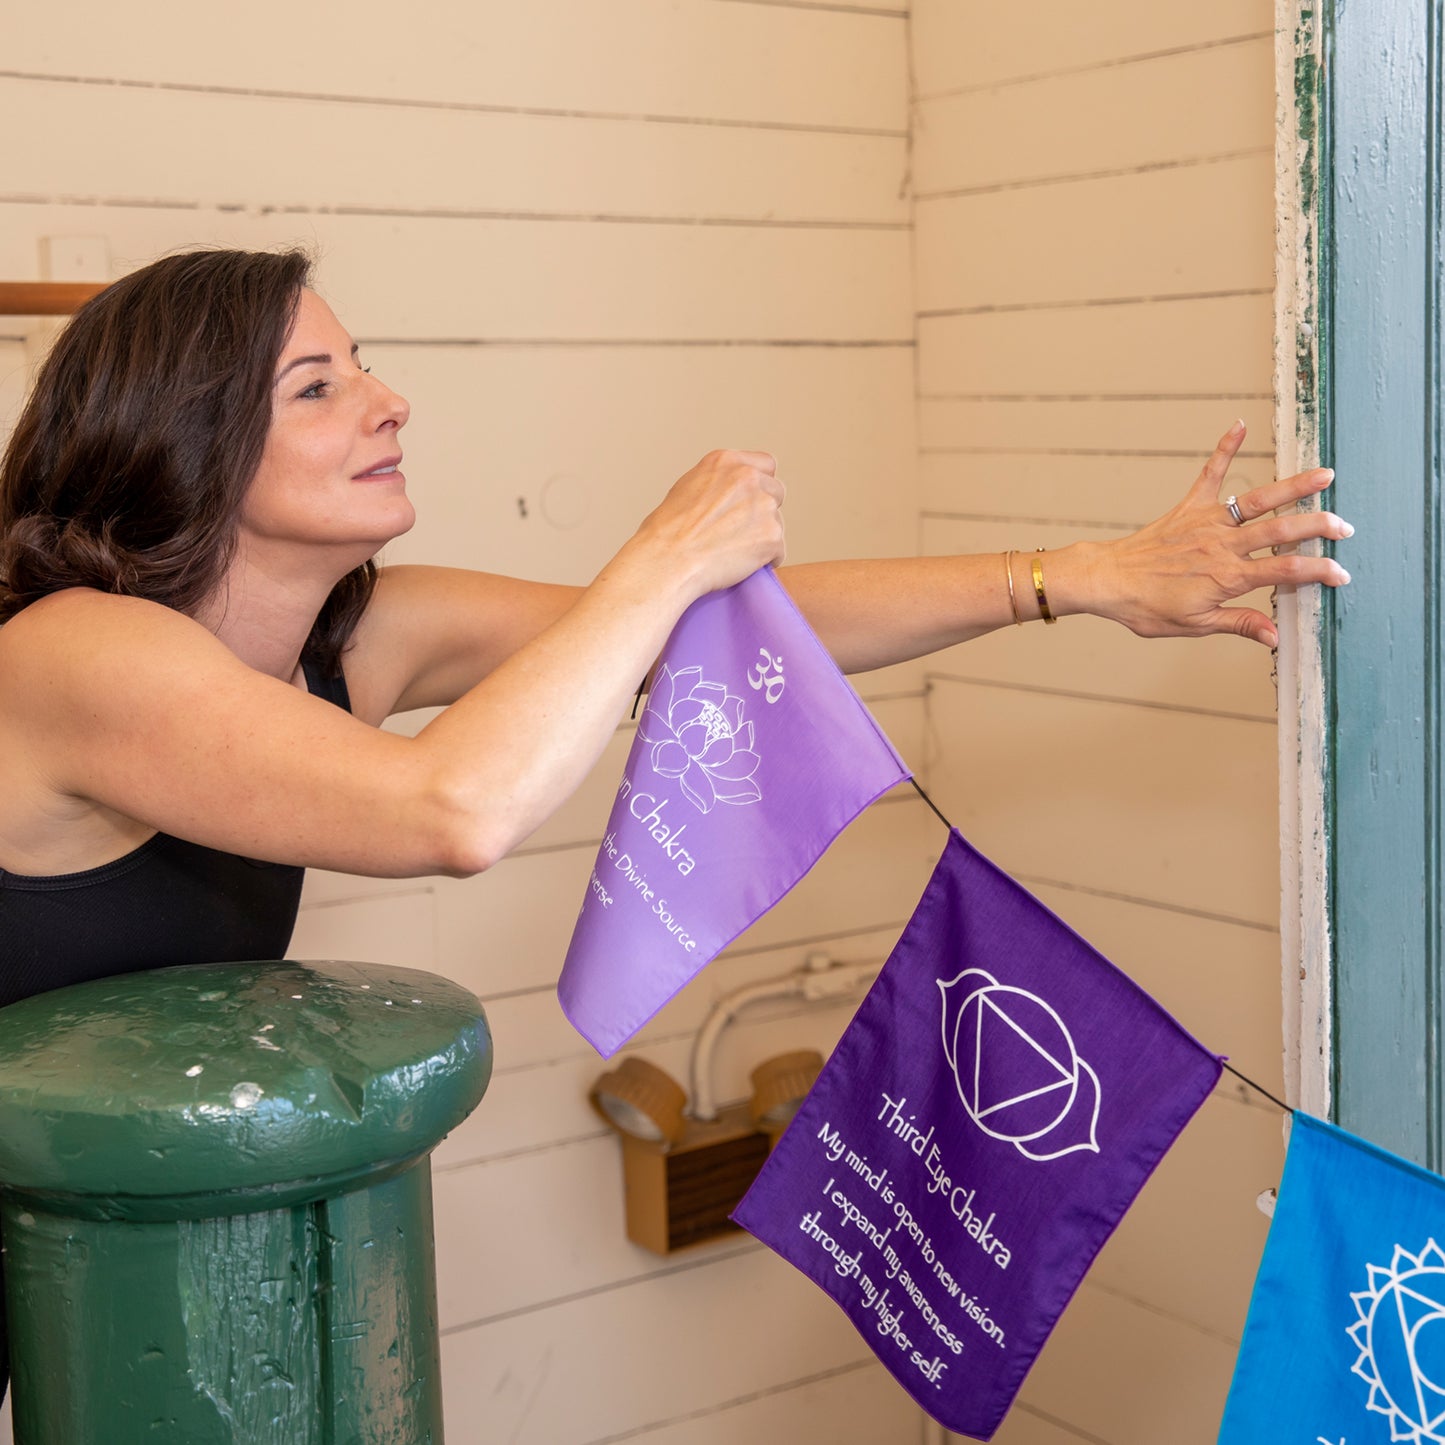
<point x="718" y="524"/>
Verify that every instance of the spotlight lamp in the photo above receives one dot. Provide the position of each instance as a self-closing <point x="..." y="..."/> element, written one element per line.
<point x="779" y="1087"/>
<point x="641" y="1102"/>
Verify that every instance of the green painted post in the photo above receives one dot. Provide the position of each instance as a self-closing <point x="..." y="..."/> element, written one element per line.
<point x="215" y="1196"/>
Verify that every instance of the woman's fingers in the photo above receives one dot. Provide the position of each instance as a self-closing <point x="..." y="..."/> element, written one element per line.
<point x="1283" y="493"/>
<point x="1289" y="530"/>
<point x="1247" y="622"/>
<point x="723" y="519"/>
<point x="762" y="461"/>
<point x="1211" y="477"/>
<point x="1292" y="570"/>
<point x="1293" y="527"/>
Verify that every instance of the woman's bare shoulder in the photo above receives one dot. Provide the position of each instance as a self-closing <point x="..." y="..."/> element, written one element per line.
<point x="81" y="627"/>
<point x="67" y="663"/>
<point x="79" y="653"/>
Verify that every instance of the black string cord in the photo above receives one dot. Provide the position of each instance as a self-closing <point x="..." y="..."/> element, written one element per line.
<point x="1258" y="1088"/>
<point x="919" y="788"/>
<point x="1243" y="1078"/>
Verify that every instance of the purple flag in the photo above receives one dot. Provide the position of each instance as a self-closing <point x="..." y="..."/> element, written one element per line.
<point x="752" y="755"/>
<point x="993" y="1109"/>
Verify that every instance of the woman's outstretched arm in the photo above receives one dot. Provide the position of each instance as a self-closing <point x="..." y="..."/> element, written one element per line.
<point x="1177" y="577"/>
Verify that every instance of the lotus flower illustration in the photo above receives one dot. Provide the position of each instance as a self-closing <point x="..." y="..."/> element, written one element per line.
<point x="1017" y="1071"/>
<point x="698" y="736"/>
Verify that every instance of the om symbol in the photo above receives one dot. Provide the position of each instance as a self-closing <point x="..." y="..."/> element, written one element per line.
<point x="767" y="675"/>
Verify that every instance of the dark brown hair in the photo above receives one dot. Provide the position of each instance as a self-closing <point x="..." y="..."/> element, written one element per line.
<point x="129" y="464"/>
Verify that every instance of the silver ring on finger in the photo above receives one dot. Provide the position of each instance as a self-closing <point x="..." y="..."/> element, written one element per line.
<point x="1232" y="505"/>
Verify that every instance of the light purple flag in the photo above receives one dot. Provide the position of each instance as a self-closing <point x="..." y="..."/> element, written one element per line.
<point x="991" y="1112"/>
<point x="752" y="755"/>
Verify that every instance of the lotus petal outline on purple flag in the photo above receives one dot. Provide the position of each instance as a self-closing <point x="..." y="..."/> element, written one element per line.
<point x="698" y="736"/>
<point x="1018" y="1074"/>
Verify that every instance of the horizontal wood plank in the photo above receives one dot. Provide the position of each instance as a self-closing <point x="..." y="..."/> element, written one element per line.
<point x="397" y="927"/>
<point x="1216" y="344"/>
<point x="957" y="46"/>
<point x="855" y="1406"/>
<point x="1218" y="978"/>
<point x="1024" y="1425"/>
<point x="589" y="1249"/>
<point x="1160" y="805"/>
<point x="309" y="156"/>
<point x="541" y="463"/>
<point x="1102" y="239"/>
<point x="1114" y="1370"/>
<point x="609" y="1362"/>
<point x="1181" y="93"/>
<point x="1162" y="425"/>
<point x="45" y="298"/>
<point x="891" y="8"/>
<point x="694" y="59"/>
<point x="1103" y="491"/>
<point x="1203" y="1191"/>
<point x="490" y="281"/>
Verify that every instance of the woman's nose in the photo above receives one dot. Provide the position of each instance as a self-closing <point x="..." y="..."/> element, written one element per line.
<point x="395" y="408"/>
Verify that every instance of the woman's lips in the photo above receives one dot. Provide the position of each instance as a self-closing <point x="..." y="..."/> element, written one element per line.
<point x="382" y="471"/>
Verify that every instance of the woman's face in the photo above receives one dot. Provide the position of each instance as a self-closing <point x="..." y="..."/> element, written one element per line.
<point x="330" y="472"/>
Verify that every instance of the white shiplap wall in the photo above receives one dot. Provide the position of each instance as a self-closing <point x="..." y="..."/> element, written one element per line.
<point x="589" y="241"/>
<point x="1094" y="249"/>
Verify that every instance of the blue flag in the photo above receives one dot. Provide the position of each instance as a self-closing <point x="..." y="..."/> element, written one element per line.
<point x="993" y="1109"/>
<point x="1345" y="1339"/>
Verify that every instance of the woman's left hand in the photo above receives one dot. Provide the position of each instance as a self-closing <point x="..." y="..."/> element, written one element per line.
<point x="1175" y="577"/>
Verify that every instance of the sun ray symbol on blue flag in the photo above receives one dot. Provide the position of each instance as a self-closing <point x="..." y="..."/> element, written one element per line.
<point x="1400" y="1334"/>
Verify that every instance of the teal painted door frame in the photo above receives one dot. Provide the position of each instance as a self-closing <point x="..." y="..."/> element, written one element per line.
<point x="1377" y="384"/>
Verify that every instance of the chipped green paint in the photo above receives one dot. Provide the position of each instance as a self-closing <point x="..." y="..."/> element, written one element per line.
<point x="216" y="1203"/>
<point x="1308" y="78"/>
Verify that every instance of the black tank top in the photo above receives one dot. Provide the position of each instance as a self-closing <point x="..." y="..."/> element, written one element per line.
<point x="168" y="902"/>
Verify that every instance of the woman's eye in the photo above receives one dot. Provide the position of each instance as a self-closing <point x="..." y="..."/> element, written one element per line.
<point x="316" y="390"/>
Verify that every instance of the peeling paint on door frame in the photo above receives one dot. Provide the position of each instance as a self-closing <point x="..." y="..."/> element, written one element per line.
<point x="1304" y="903"/>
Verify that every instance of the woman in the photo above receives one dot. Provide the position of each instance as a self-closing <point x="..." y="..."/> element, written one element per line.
<point x="188" y="512"/>
<point x="197" y="649"/>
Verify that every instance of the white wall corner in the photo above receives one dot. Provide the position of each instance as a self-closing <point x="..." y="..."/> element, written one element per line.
<point x="1304" y="921"/>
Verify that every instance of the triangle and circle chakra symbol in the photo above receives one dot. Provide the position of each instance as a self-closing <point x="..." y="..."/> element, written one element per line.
<point x="1400" y="1334"/>
<point x="1018" y="1073"/>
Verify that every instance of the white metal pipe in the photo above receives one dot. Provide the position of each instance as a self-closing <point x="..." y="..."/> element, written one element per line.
<point x="704" y="1104"/>
<point x="819" y="981"/>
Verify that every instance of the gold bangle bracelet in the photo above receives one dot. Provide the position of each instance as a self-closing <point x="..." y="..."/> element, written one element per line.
<point x="1039" y="589"/>
<point x="1008" y="567"/>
